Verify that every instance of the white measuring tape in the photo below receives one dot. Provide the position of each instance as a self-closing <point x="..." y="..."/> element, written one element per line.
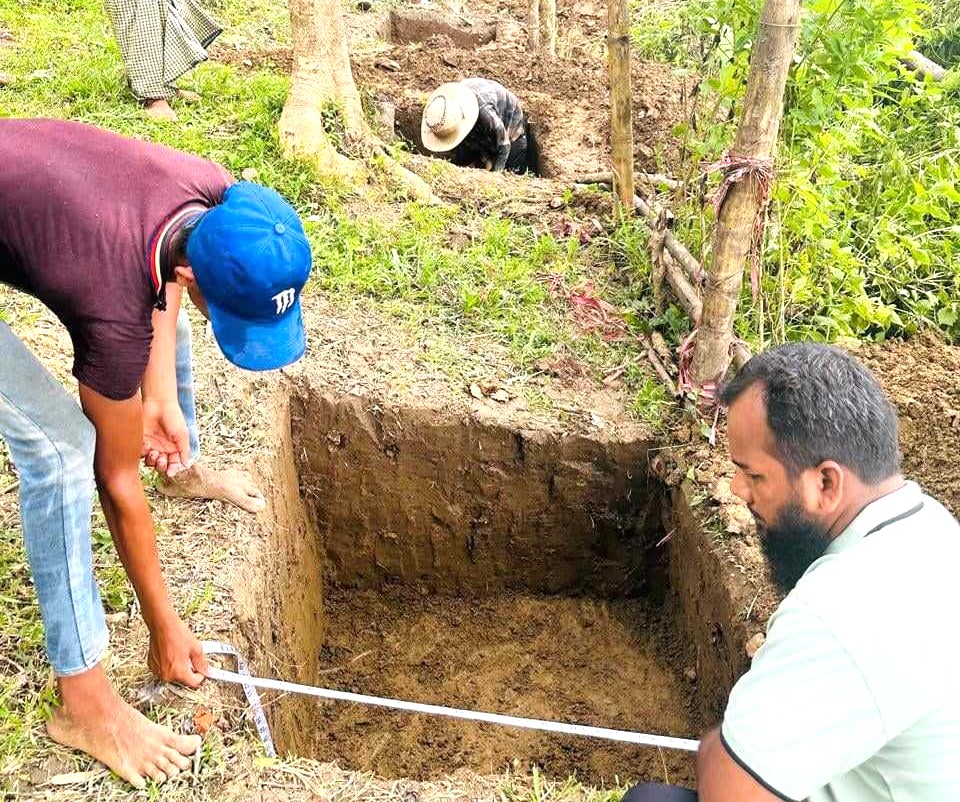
<point x="250" y="683"/>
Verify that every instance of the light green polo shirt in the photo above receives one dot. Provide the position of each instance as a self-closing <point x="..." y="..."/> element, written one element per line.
<point x="855" y="695"/>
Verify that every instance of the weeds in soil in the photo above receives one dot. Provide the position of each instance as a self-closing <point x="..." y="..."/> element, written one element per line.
<point x="540" y="789"/>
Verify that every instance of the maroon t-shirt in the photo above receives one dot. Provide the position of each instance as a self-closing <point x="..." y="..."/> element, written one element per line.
<point x="79" y="207"/>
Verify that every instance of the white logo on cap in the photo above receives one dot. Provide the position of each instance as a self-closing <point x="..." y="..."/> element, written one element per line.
<point x="284" y="300"/>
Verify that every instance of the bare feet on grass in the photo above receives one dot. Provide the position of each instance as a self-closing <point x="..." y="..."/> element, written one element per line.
<point x="160" y="110"/>
<point x="95" y="720"/>
<point x="235" y="487"/>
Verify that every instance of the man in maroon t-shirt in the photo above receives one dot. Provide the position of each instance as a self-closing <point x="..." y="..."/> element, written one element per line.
<point x="105" y="231"/>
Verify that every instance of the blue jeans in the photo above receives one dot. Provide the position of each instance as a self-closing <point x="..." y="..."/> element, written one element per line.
<point x="51" y="443"/>
<point x="185" y="382"/>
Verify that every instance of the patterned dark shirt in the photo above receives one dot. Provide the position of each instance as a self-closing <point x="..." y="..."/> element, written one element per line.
<point x="501" y="121"/>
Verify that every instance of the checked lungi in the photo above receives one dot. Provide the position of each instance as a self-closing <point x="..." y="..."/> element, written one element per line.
<point x="160" y="40"/>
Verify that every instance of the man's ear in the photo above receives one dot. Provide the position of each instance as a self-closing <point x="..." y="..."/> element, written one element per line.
<point x="831" y="485"/>
<point x="185" y="277"/>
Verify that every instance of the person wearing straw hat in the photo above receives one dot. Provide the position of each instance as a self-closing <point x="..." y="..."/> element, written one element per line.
<point x="106" y="231"/>
<point x="479" y="123"/>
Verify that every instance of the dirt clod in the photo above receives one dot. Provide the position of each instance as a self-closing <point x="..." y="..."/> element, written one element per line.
<point x="754" y="644"/>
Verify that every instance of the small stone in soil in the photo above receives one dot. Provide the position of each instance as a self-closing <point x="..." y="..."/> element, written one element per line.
<point x="754" y="644"/>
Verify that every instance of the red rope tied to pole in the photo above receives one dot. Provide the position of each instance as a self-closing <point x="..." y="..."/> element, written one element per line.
<point x="736" y="169"/>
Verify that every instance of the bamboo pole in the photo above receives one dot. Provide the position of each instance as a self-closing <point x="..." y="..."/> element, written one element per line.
<point x="548" y="12"/>
<point x="650" y="178"/>
<point x="621" y="109"/>
<point x="533" y="25"/>
<point x="919" y="63"/>
<point x="755" y="140"/>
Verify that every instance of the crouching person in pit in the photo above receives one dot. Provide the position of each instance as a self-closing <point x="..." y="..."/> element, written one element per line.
<point x="479" y="123"/>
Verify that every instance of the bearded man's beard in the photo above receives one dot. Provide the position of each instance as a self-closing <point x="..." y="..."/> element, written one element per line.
<point x="791" y="544"/>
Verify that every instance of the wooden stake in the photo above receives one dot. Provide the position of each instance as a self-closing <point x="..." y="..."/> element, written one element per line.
<point x="756" y="138"/>
<point x="533" y="25"/>
<point x="672" y="244"/>
<point x="548" y="11"/>
<point x="621" y="108"/>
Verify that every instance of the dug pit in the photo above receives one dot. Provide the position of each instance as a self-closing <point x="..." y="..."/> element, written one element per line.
<point x="449" y="561"/>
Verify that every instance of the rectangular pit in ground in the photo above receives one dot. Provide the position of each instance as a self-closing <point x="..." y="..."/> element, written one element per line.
<point x="472" y="565"/>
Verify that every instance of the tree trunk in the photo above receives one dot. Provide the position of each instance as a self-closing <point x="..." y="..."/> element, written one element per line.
<point x="533" y="26"/>
<point x="734" y="235"/>
<point x="321" y="76"/>
<point x="621" y="109"/>
<point x="548" y="12"/>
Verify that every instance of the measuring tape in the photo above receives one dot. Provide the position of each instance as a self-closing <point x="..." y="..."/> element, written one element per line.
<point x="249" y="684"/>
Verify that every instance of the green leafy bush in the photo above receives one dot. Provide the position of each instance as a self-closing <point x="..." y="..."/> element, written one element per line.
<point x="865" y="215"/>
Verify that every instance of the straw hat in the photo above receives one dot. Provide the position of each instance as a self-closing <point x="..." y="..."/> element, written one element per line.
<point x="450" y="114"/>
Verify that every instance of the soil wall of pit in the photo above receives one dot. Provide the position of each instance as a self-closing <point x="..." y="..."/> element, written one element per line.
<point x="437" y="558"/>
<point x="414" y="496"/>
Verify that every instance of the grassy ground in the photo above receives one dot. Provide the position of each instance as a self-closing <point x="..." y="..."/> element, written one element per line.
<point x="462" y="271"/>
<point x="457" y="274"/>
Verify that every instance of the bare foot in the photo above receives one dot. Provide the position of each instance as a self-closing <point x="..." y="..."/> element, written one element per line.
<point x="160" y="110"/>
<point x="95" y="720"/>
<point x="235" y="487"/>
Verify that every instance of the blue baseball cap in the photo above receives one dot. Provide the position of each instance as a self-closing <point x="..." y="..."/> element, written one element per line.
<point x="251" y="259"/>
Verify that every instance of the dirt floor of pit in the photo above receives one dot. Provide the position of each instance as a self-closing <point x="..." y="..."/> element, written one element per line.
<point x="603" y="663"/>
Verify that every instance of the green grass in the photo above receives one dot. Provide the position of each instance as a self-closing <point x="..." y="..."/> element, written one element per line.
<point x="417" y="268"/>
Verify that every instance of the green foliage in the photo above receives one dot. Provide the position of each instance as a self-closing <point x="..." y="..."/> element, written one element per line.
<point x="650" y="402"/>
<point x="862" y="236"/>
<point x="943" y="43"/>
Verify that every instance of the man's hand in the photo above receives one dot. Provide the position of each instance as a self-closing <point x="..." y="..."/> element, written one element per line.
<point x="166" y="441"/>
<point x="176" y="655"/>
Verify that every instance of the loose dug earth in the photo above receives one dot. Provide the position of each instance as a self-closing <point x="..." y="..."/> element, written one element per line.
<point x="921" y="377"/>
<point x="615" y="664"/>
<point x="567" y="99"/>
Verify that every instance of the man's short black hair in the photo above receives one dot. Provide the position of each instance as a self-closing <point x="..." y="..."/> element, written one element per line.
<point x="823" y="404"/>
